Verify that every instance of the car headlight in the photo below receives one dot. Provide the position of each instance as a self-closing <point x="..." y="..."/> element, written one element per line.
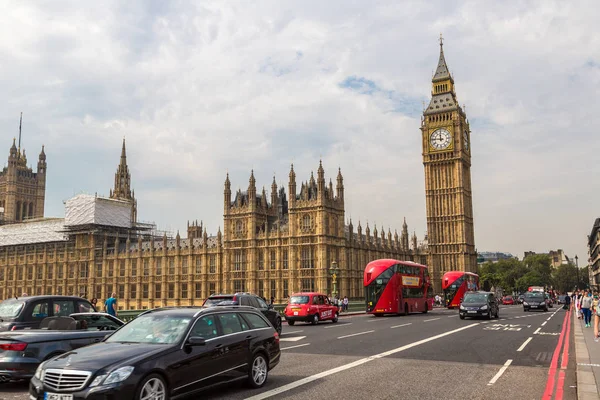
<point x="40" y="372"/>
<point x="484" y="307"/>
<point x="118" y="375"/>
<point x="525" y="303"/>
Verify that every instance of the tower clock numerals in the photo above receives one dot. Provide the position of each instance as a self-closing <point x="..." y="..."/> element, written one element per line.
<point x="466" y="140"/>
<point x="440" y="139"/>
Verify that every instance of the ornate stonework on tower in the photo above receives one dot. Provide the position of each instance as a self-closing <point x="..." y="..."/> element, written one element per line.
<point x="122" y="190"/>
<point x="447" y="160"/>
<point x="22" y="191"/>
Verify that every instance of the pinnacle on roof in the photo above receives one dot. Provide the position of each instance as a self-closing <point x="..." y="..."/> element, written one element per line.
<point x="123" y="154"/>
<point x="441" y="73"/>
<point x="42" y="154"/>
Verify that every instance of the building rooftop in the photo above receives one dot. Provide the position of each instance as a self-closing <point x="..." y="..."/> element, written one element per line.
<point x="33" y="231"/>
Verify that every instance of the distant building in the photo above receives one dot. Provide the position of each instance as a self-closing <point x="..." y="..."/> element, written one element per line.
<point x="492" y="256"/>
<point x="594" y="252"/>
<point x="557" y="257"/>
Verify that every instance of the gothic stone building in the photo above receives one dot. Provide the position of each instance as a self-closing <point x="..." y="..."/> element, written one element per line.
<point x="271" y="248"/>
<point x="446" y="138"/>
<point x="22" y="191"/>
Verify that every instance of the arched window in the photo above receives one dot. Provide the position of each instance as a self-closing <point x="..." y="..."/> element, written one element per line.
<point x="238" y="227"/>
<point x="306" y="222"/>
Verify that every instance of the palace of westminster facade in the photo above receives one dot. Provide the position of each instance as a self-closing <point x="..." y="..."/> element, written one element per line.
<point x="272" y="245"/>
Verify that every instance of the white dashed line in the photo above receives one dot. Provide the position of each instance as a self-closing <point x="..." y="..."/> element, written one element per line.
<point x="537" y="330"/>
<point x="544" y="323"/>
<point x="293" y="347"/>
<point x="524" y="344"/>
<point x="398" y="326"/>
<point x="434" y="319"/>
<point x="355" y="334"/>
<point x="336" y="325"/>
<point x="289" y="333"/>
<point x="499" y="374"/>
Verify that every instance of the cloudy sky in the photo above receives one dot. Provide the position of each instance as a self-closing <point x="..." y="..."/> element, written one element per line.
<point x="202" y="88"/>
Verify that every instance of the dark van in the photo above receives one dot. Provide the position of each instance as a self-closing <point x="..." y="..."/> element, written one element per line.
<point x="28" y="312"/>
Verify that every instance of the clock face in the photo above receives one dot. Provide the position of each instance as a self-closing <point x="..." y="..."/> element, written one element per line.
<point x="440" y="139"/>
<point x="466" y="139"/>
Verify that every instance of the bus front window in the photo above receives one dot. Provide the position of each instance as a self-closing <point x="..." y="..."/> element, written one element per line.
<point x="375" y="288"/>
<point x="451" y="291"/>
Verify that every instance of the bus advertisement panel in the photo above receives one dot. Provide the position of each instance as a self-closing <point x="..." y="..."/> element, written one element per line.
<point x="397" y="287"/>
<point x="455" y="284"/>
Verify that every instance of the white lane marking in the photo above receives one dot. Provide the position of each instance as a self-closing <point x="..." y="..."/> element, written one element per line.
<point x="544" y="323"/>
<point x="537" y="330"/>
<point x="293" y="347"/>
<point x="434" y="319"/>
<point x="376" y="319"/>
<point x="452" y="316"/>
<point x="336" y="325"/>
<point x="355" y="334"/>
<point x="548" y="319"/>
<point x="398" y="326"/>
<point x="499" y="374"/>
<point x="524" y="344"/>
<point x="289" y="333"/>
<point x="291" y="339"/>
<point x="312" y="378"/>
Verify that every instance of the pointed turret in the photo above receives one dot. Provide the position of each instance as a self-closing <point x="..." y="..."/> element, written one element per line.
<point x="274" y="193"/>
<point x="292" y="186"/>
<point x="42" y="156"/>
<point x="442" y="73"/>
<point x="13" y="148"/>
<point x="122" y="189"/>
<point x="252" y="191"/>
<point x="263" y="199"/>
<point x="404" y="237"/>
<point x="340" y="185"/>
<point x="414" y="241"/>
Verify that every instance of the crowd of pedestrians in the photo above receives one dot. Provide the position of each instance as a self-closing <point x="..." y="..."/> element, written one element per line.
<point x="586" y="306"/>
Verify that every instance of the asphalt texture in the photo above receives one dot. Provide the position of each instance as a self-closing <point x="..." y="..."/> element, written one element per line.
<point x="419" y="356"/>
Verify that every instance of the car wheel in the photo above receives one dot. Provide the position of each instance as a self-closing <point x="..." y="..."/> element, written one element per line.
<point x="461" y="316"/>
<point x="315" y="319"/>
<point x="259" y="370"/>
<point x="278" y="326"/>
<point x="489" y="315"/>
<point x="335" y="318"/>
<point x="291" y="323"/>
<point x="153" y="387"/>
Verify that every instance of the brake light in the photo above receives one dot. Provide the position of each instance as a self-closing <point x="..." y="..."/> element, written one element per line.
<point x="276" y="336"/>
<point x="14" y="328"/>
<point x="13" y="346"/>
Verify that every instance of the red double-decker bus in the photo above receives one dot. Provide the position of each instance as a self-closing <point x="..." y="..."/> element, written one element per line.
<point x="397" y="287"/>
<point x="455" y="284"/>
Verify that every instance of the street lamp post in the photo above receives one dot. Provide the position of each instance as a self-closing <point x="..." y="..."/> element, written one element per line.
<point x="334" y="271"/>
<point x="577" y="268"/>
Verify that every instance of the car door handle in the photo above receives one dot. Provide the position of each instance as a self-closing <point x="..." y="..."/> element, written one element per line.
<point x="250" y="337"/>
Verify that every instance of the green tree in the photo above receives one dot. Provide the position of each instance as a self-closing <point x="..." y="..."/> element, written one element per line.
<point x="531" y="278"/>
<point x="565" y="278"/>
<point x="542" y="266"/>
<point x="584" y="278"/>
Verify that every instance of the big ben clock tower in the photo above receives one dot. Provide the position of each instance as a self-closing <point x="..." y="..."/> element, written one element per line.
<point x="447" y="160"/>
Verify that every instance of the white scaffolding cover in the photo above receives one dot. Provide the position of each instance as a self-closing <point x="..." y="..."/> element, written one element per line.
<point x="86" y="209"/>
<point x="30" y="232"/>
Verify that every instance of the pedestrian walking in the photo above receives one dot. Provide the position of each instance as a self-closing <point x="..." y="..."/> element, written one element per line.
<point x="586" y="308"/>
<point x="596" y="324"/>
<point x="567" y="305"/>
<point x="94" y="302"/>
<point x="345" y="303"/>
<point x="111" y="305"/>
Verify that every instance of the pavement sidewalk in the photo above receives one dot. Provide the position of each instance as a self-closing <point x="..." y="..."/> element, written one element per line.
<point x="587" y="354"/>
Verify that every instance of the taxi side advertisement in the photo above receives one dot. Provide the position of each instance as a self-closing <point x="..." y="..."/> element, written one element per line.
<point x="411" y="281"/>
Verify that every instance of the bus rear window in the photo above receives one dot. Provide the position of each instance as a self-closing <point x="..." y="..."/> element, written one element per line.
<point x="299" y="300"/>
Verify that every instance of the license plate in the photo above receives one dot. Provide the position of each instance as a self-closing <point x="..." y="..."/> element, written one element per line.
<point x="472" y="312"/>
<point x="57" y="396"/>
<point x="295" y="312"/>
<point x="533" y="306"/>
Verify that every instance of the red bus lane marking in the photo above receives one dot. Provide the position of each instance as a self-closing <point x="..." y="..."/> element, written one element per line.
<point x="564" y="362"/>
<point x="554" y="363"/>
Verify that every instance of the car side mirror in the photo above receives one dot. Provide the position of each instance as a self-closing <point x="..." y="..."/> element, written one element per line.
<point x="196" y="341"/>
<point x="270" y="307"/>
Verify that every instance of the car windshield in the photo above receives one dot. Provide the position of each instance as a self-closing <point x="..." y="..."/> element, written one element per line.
<point x="508" y="297"/>
<point x="152" y="328"/>
<point x="534" y="296"/>
<point x="211" y="301"/>
<point x="475" y="298"/>
<point x="299" y="300"/>
<point x="10" y="308"/>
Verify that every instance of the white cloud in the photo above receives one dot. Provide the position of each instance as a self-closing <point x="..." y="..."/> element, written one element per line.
<point x="201" y="88"/>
